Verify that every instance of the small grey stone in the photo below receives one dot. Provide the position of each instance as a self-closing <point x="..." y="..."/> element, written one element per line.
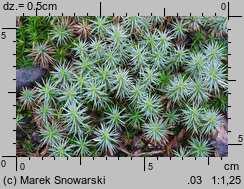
<point x="221" y="148"/>
<point x="24" y="121"/>
<point x="26" y="77"/>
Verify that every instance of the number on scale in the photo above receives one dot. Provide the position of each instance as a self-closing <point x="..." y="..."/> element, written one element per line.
<point x="150" y="166"/>
<point x="3" y="35"/>
<point x="3" y="163"/>
<point x="223" y="6"/>
<point x="22" y="166"/>
<point x="240" y="138"/>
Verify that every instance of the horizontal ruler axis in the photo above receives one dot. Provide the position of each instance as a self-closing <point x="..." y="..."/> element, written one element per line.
<point x="177" y="14"/>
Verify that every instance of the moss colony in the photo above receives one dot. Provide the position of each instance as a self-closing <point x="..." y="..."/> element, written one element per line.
<point x="123" y="86"/>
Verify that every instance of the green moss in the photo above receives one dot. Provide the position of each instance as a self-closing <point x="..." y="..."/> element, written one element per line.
<point x="114" y="80"/>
